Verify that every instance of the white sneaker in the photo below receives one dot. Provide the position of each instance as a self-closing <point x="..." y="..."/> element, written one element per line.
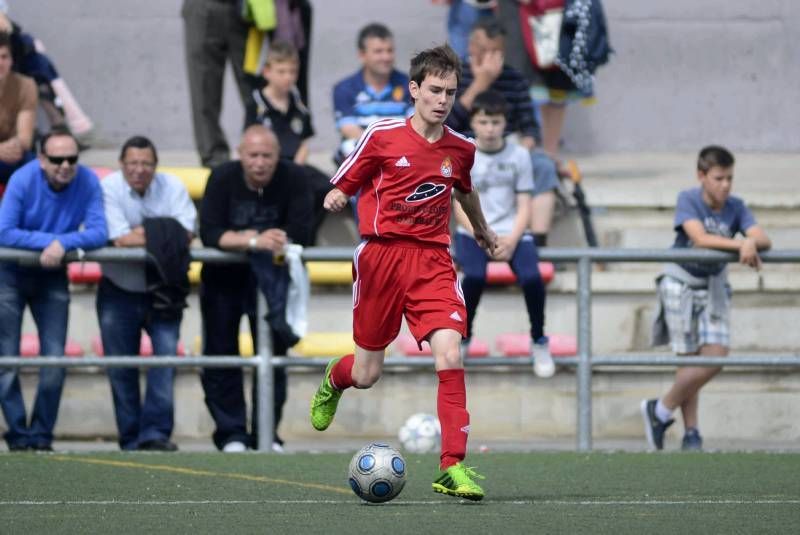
<point x="543" y="365"/>
<point x="277" y="448"/>
<point x="234" y="446"/>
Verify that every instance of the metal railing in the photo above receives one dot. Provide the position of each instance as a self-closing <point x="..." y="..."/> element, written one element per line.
<point x="264" y="361"/>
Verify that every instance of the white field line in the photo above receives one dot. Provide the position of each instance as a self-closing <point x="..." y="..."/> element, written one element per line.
<point x="594" y="503"/>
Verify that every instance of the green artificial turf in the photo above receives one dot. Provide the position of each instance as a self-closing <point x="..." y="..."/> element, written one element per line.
<point x="308" y="493"/>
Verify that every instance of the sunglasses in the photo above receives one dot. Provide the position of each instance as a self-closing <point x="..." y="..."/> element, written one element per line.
<point x="58" y="160"/>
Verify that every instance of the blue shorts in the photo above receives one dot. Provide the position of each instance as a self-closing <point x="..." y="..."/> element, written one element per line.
<point x="545" y="176"/>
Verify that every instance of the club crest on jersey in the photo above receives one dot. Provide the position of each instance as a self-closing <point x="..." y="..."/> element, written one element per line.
<point x="426" y="191"/>
<point x="447" y="168"/>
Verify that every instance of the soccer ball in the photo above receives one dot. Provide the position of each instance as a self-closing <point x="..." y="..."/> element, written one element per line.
<point x="422" y="433"/>
<point x="377" y="473"/>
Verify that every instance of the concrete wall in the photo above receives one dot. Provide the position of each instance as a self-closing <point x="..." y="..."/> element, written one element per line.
<point x="684" y="73"/>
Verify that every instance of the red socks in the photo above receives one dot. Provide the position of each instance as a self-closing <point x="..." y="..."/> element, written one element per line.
<point x="451" y="404"/>
<point x="342" y="373"/>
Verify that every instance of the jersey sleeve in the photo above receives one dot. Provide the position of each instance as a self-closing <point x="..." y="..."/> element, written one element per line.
<point x="463" y="182"/>
<point x="362" y="164"/>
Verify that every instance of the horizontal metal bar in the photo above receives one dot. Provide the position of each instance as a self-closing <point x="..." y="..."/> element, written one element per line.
<point x="597" y="254"/>
<point x="233" y="361"/>
<point x="671" y="360"/>
<point x="393" y="361"/>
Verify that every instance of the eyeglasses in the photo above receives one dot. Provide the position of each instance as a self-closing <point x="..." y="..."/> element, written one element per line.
<point x="58" y="160"/>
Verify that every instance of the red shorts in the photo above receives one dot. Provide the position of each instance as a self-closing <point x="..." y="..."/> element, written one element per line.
<point x="394" y="278"/>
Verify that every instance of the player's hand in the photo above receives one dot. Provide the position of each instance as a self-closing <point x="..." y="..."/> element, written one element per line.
<point x="505" y="248"/>
<point x="273" y="239"/>
<point x="335" y="200"/>
<point x="748" y="254"/>
<point x="487" y="239"/>
<point x="52" y="255"/>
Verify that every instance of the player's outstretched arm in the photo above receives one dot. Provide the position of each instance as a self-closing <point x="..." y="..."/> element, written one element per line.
<point x="471" y="205"/>
<point x="335" y="200"/>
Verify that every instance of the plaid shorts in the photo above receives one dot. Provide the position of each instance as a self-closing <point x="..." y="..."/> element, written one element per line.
<point x="688" y="317"/>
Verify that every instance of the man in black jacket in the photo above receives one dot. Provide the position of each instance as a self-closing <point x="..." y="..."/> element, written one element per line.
<point x="257" y="204"/>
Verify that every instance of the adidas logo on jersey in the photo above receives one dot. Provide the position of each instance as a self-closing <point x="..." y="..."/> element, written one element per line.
<point x="402" y="162"/>
<point x="456" y="316"/>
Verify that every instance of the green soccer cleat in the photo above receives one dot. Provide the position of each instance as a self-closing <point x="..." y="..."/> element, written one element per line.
<point x="457" y="481"/>
<point x="325" y="401"/>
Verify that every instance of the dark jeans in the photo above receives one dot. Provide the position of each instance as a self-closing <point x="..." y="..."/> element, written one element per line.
<point x="525" y="265"/>
<point x="122" y="316"/>
<point x="222" y="308"/>
<point x="47" y="295"/>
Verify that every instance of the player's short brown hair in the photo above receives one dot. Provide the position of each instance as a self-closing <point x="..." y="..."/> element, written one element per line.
<point x="714" y="155"/>
<point x="438" y="61"/>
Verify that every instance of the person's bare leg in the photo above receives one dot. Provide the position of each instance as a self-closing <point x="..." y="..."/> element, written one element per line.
<point x="367" y="367"/>
<point x="689" y="410"/>
<point x="553" y="116"/>
<point x="689" y="380"/>
<point x="451" y="405"/>
<point x="445" y="349"/>
<point x="360" y="370"/>
<point x="542" y="209"/>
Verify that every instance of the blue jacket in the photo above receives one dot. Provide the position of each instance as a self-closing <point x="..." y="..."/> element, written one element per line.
<point x="32" y="215"/>
<point x="583" y="44"/>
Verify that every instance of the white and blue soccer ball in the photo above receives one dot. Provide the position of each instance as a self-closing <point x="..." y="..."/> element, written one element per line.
<point x="377" y="473"/>
<point x="422" y="433"/>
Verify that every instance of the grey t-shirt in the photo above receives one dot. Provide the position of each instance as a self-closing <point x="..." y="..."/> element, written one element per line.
<point x="733" y="218"/>
<point x="498" y="177"/>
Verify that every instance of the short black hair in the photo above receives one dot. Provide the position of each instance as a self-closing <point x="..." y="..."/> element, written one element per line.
<point x="489" y="102"/>
<point x="56" y="131"/>
<point x="491" y="26"/>
<point x="374" y="29"/>
<point x="714" y="155"/>
<point x="138" y="142"/>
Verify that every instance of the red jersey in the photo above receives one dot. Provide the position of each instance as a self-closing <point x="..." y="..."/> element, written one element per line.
<point x="406" y="181"/>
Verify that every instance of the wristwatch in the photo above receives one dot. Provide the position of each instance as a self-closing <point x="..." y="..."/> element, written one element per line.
<point x="252" y="243"/>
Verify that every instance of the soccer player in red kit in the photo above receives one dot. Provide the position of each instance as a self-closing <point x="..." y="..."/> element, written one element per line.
<point x="406" y="171"/>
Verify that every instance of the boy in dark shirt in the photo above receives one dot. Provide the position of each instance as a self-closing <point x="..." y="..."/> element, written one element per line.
<point x="280" y="108"/>
<point x="694" y="299"/>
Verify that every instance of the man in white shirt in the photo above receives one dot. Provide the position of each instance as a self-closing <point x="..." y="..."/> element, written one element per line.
<point x="125" y="306"/>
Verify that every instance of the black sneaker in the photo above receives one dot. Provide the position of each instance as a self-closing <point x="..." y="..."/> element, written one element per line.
<point x="692" y="441"/>
<point x="42" y="447"/>
<point x="653" y="427"/>
<point x="18" y="447"/>
<point x="157" y="445"/>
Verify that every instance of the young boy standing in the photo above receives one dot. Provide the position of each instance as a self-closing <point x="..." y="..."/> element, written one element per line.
<point x="503" y="177"/>
<point x="694" y="298"/>
<point x="280" y="108"/>
<point x="406" y="171"/>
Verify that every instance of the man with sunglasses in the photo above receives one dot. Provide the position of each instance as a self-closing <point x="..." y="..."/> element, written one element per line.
<point x="52" y="205"/>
